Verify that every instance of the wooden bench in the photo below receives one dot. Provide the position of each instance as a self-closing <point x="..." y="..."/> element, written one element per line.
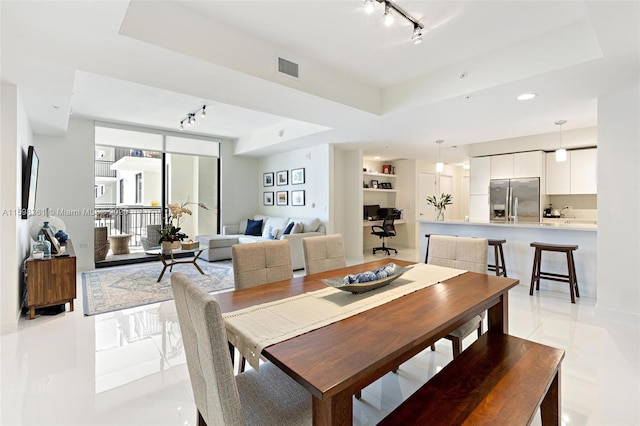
<point x="499" y="379"/>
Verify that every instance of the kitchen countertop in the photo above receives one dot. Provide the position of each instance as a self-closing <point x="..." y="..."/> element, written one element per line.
<point x="551" y="224"/>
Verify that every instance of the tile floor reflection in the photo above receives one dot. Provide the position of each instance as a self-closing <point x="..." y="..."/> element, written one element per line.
<point x="128" y="367"/>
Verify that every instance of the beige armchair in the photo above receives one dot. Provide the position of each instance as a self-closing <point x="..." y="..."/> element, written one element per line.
<point x="323" y="253"/>
<point x="265" y="397"/>
<point x="461" y="253"/>
<point x="260" y="263"/>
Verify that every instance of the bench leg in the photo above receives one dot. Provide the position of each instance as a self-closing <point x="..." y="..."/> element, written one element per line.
<point x="457" y="346"/>
<point x="550" y="407"/>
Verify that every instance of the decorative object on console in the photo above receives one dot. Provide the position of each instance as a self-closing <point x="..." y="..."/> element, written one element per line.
<point x="297" y="198"/>
<point x="374" y="184"/>
<point x="282" y="178"/>
<point x="440" y="204"/>
<point x="282" y="198"/>
<point x="61" y="236"/>
<point x="267" y="179"/>
<point x="50" y="238"/>
<point x="41" y="248"/>
<point x="297" y="176"/>
<point x="386" y="169"/>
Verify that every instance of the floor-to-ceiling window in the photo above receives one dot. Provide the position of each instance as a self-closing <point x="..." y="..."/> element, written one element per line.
<point x="138" y="173"/>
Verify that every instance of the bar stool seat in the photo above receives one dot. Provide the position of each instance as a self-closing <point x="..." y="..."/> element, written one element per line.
<point x="499" y="266"/>
<point x="537" y="274"/>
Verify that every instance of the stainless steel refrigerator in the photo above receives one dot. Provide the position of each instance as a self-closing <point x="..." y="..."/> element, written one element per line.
<point x="515" y="200"/>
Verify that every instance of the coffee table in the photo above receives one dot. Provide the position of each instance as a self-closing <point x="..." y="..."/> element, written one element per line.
<point x="170" y="261"/>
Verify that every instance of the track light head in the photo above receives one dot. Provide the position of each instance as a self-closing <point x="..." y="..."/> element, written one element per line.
<point x="204" y="112"/>
<point x="416" y="38"/>
<point x="388" y="16"/>
<point x="369" y="6"/>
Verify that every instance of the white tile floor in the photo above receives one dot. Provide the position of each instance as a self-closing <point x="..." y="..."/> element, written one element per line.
<point x="124" y="368"/>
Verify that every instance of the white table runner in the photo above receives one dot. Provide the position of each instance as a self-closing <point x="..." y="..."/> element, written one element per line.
<point x="252" y="329"/>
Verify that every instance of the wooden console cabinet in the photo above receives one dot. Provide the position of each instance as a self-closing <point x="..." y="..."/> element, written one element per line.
<point x="51" y="281"/>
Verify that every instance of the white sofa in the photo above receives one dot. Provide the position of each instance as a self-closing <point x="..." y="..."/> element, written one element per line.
<point x="220" y="245"/>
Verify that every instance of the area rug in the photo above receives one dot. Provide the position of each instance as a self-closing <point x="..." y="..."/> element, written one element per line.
<point x="114" y="288"/>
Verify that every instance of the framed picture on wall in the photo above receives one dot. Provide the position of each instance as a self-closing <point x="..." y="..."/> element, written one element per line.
<point x="267" y="198"/>
<point x="297" y="198"/>
<point x="282" y="178"/>
<point x="267" y="179"/>
<point x="282" y="198"/>
<point x="297" y="176"/>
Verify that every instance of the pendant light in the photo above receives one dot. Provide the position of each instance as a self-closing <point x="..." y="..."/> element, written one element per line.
<point x="561" y="153"/>
<point x="439" y="164"/>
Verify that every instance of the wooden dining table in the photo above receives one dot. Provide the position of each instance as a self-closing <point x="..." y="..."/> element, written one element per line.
<point x="338" y="360"/>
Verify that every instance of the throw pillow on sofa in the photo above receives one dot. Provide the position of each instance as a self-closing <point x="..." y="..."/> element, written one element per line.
<point x="270" y="233"/>
<point x="298" y="228"/>
<point x="254" y="227"/>
<point x="288" y="229"/>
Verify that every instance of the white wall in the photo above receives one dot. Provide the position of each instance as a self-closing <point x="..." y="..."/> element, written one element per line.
<point x="619" y="202"/>
<point x="65" y="184"/>
<point x="240" y="192"/>
<point x="315" y="161"/>
<point x="16" y="137"/>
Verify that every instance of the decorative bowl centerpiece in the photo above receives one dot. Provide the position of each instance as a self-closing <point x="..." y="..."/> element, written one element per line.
<point x="369" y="280"/>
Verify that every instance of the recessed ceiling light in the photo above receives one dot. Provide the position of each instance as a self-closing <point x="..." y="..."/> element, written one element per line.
<point x="377" y="157"/>
<point x="526" y="96"/>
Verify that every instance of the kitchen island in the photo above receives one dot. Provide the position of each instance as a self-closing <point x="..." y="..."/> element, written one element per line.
<point x="518" y="253"/>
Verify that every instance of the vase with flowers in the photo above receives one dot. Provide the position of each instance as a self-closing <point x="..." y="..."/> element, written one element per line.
<point x="170" y="233"/>
<point x="440" y="204"/>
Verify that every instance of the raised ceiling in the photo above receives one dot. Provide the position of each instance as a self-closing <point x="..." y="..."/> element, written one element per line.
<point x="361" y="85"/>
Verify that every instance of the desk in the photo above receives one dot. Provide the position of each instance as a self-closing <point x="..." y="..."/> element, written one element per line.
<point x="336" y="361"/>
<point x="162" y="257"/>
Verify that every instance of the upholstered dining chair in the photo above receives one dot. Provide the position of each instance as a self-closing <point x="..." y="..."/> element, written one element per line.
<point x="461" y="253"/>
<point x="323" y="253"/>
<point x="267" y="396"/>
<point x="260" y="263"/>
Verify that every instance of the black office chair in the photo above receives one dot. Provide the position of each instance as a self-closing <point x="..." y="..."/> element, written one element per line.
<point x="387" y="230"/>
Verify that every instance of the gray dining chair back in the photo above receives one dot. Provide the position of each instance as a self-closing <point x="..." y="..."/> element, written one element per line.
<point x="323" y="253"/>
<point x="268" y="396"/>
<point x="261" y="263"/>
<point x="460" y="253"/>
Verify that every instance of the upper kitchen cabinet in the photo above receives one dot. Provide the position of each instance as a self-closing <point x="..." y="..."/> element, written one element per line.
<point x="479" y="175"/>
<point x="584" y="171"/>
<point x="576" y="175"/>
<point x="518" y="165"/>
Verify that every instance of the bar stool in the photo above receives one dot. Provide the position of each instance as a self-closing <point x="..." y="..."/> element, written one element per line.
<point x="570" y="278"/>
<point x="426" y="256"/>
<point x="499" y="267"/>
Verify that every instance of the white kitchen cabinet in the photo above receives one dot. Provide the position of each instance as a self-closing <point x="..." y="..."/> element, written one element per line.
<point x="518" y="165"/>
<point x="479" y="208"/>
<point x="528" y="164"/>
<point x="479" y="175"/>
<point x="583" y="171"/>
<point x="502" y="166"/>
<point x="558" y="175"/>
<point x="576" y="175"/>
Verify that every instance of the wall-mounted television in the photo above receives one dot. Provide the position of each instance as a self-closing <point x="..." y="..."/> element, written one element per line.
<point x="30" y="183"/>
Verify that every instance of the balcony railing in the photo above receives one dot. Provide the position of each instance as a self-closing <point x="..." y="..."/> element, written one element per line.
<point x="103" y="169"/>
<point x="128" y="220"/>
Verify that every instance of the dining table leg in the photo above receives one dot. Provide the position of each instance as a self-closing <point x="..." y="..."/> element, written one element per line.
<point x="498" y="316"/>
<point x="336" y="410"/>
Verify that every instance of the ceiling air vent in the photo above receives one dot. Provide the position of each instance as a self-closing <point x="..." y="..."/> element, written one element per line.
<point x="288" y="67"/>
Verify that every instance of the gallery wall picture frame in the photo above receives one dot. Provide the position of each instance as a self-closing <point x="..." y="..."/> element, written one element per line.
<point x="297" y="176"/>
<point x="267" y="198"/>
<point x="282" y="178"/>
<point x="282" y="198"/>
<point x="267" y="179"/>
<point x="297" y="198"/>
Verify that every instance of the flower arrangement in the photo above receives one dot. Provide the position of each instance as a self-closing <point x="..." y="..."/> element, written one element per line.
<point x="171" y="228"/>
<point x="440" y="204"/>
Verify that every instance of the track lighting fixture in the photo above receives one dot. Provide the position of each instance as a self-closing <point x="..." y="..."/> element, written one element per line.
<point x="390" y="9"/>
<point x="191" y="117"/>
